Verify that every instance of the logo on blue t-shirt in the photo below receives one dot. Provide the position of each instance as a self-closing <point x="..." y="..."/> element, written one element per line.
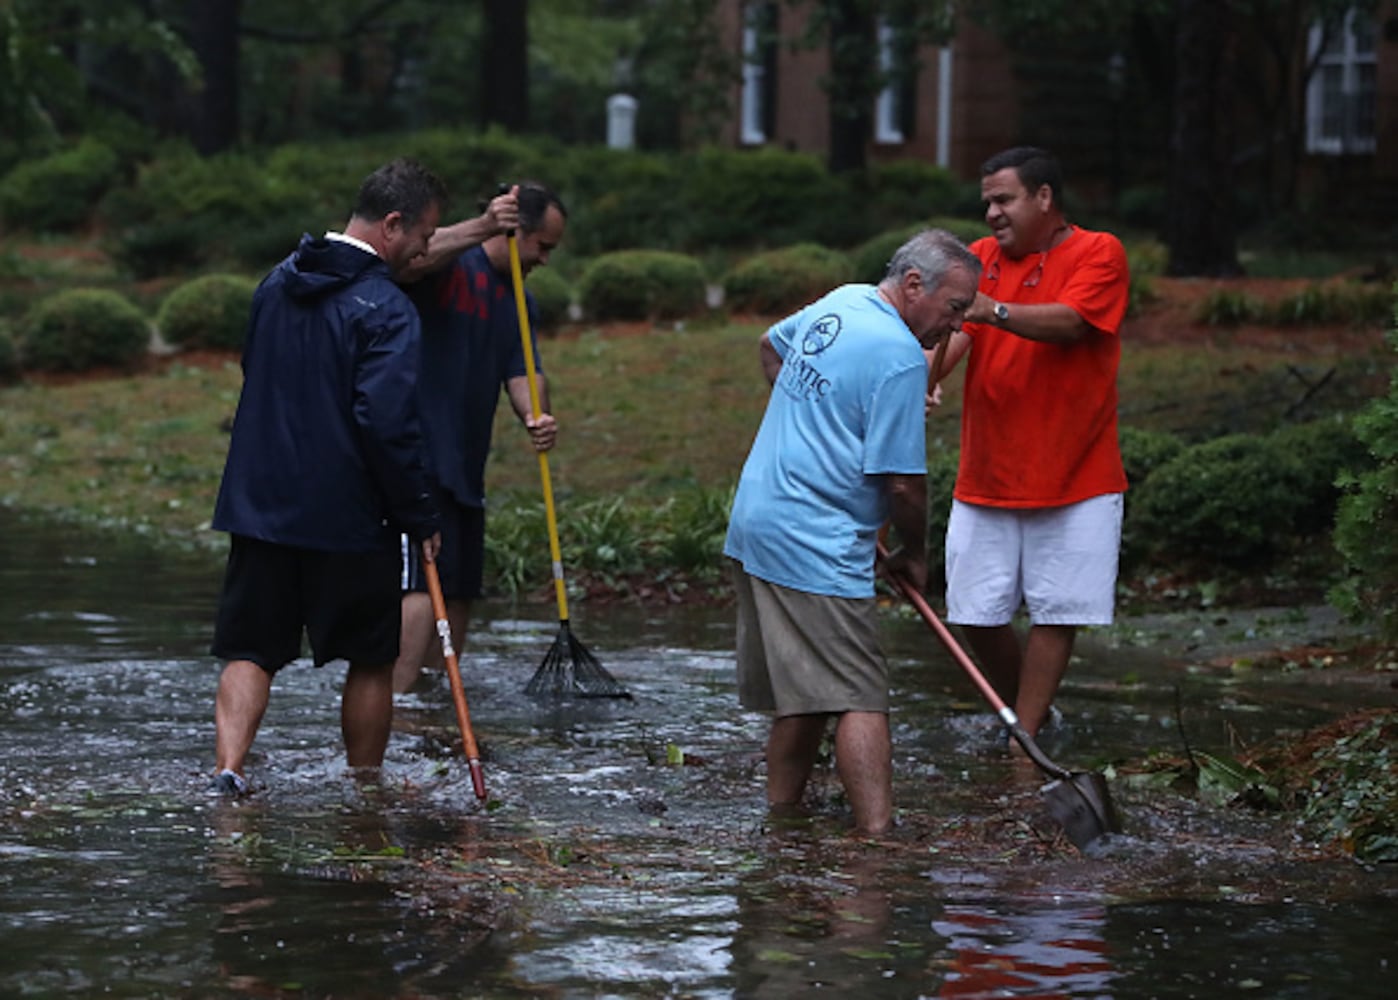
<point x="821" y="334"/>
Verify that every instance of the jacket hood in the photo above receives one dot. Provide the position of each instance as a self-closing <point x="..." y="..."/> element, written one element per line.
<point x="320" y="266"/>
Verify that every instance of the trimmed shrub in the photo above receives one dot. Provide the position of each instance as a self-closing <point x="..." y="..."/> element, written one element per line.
<point x="1325" y="451"/>
<point x="1232" y="500"/>
<point x="739" y="198"/>
<point x="642" y="284"/>
<point x="901" y="188"/>
<point x="59" y="191"/>
<point x="210" y="311"/>
<point x="186" y="211"/>
<point x="1143" y="451"/>
<point x="624" y="198"/>
<point x="166" y="246"/>
<point x="552" y="296"/>
<point x="870" y="259"/>
<point x="779" y="281"/>
<point x="83" y="328"/>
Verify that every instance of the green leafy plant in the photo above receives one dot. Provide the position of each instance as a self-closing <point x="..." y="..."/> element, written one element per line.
<point x="1366" y="526"/>
<point x="779" y="281"/>
<point x="697" y="525"/>
<point x="1228" y="307"/>
<point x="1351" y="794"/>
<point x="83" y="328"/>
<point x="642" y="284"/>
<point x="209" y="311"/>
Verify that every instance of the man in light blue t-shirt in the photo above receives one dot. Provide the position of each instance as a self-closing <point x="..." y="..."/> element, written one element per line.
<point x="841" y="451"/>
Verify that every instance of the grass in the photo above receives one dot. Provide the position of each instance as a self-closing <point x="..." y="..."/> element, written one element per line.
<point x="646" y="414"/>
<point x="655" y="422"/>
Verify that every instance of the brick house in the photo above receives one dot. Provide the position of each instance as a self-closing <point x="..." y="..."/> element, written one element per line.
<point x="977" y="95"/>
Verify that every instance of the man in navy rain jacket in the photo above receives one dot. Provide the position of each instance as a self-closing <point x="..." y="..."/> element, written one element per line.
<point x="325" y="469"/>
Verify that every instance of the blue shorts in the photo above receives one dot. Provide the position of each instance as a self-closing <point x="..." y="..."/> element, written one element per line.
<point x="461" y="563"/>
<point x="348" y="604"/>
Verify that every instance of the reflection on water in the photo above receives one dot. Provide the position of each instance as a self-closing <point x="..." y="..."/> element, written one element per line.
<point x="601" y="866"/>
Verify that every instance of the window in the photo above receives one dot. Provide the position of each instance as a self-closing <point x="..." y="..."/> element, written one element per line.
<point x="888" y="125"/>
<point x="758" y="105"/>
<point x="1340" y="98"/>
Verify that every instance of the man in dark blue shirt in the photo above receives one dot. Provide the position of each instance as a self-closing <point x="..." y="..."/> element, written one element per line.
<point x="471" y="349"/>
<point x="325" y="470"/>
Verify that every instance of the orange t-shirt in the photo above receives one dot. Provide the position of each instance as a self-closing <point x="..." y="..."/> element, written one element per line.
<point x="1039" y="424"/>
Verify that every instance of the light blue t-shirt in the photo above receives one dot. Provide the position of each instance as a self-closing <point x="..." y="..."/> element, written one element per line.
<point x="847" y="406"/>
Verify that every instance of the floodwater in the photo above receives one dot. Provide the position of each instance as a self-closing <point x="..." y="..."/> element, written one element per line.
<point x="624" y="850"/>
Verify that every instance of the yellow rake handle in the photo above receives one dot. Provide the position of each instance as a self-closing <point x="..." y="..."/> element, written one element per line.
<point x="522" y="309"/>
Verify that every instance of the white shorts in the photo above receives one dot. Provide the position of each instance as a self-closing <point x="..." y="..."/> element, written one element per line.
<point x="1061" y="562"/>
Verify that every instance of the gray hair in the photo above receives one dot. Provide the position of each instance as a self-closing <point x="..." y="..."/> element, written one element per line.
<point x="932" y="253"/>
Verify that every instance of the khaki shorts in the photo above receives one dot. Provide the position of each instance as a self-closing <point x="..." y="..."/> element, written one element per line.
<point x="807" y="654"/>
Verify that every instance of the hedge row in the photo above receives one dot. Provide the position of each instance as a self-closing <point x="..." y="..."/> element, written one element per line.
<point x="210" y="311"/>
<point x="159" y="212"/>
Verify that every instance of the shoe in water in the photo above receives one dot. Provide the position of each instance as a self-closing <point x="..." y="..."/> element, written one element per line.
<point x="229" y="783"/>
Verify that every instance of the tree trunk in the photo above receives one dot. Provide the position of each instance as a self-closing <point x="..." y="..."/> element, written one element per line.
<point x="209" y="116"/>
<point x="1201" y="230"/>
<point x="505" y="65"/>
<point x="853" y="52"/>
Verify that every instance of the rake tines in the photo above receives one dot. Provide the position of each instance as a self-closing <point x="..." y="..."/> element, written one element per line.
<point x="570" y="671"/>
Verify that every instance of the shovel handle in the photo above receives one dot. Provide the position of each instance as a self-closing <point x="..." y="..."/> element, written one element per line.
<point x="949" y="641"/>
<point x="458" y="692"/>
<point x="968" y="666"/>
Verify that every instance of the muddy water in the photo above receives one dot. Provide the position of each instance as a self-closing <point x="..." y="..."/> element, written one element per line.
<point x="623" y="850"/>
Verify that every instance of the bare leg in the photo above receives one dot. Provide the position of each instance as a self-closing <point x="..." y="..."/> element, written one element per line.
<point x="366" y="713"/>
<point x="997" y="649"/>
<point x="458" y="615"/>
<point x="792" y="746"/>
<point x="244" y="689"/>
<point x="864" y="760"/>
<point x="1046" y="656"/>
<point x="417" y="637"/>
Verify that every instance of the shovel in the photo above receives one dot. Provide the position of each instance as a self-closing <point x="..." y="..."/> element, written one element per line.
<point x="458" y="692"/>
<point x="1078" y="801"/>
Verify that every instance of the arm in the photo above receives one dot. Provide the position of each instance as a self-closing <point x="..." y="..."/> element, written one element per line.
<point x="448" y="242"/>
<point x="770" y="359"/>
<point x="386" y="415"/>
<point x="543" y="431"/>
<point x="1049" y="322"/>
<point x="907" y="509"/>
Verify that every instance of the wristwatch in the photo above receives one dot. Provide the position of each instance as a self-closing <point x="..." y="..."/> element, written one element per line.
<point x="1001" y="313"/>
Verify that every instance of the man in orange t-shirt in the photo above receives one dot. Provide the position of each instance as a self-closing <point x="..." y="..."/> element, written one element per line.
<point x="1036" y="518"/>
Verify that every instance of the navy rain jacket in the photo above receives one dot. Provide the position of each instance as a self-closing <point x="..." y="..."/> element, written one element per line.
<point x="327" y="448"/>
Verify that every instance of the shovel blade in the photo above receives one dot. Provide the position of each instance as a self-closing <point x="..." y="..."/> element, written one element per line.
<point x="1083" y="807"/>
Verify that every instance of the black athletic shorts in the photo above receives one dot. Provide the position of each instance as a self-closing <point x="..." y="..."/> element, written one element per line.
<point x="348" y="603"/>
<point x="461" y="563"/>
